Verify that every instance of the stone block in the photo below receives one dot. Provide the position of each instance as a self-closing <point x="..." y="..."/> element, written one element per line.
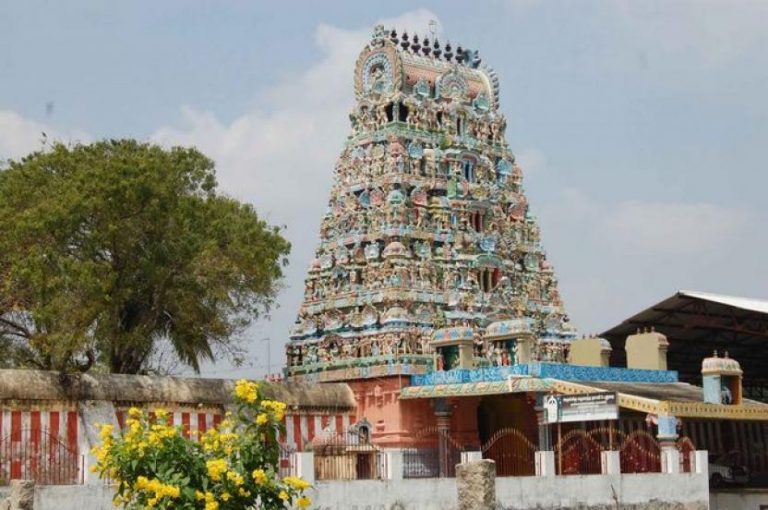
<point x="476" y="485"/>
<point x="22" y="495"/>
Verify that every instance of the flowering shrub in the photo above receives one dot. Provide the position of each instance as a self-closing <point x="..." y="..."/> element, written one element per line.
<point x="232" y="467"/>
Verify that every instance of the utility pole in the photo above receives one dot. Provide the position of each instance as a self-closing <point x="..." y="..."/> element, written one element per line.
<point x="269" y="355"/>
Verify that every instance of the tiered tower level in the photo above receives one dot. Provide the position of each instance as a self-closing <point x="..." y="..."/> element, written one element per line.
<point x="427" y="231"/>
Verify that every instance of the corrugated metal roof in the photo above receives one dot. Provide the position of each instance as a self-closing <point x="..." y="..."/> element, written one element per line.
<point x="752" y="305"/>
<point x="697" y="323"/>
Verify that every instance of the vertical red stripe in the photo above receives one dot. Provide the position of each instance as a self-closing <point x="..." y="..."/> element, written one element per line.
<point x="352" y="419"/>
<point x="216" y="420"/>
<point x="297" y="432"/>
<point x="53" y="434"/>
<point x="339" y="424"/>
<point x="53" y="424"/>
<point x="15" y="447"/>
<point x="310" y="428"/>
<point x="34" y="423"/>
<point x="72" y="431"/>
<point x="121" y="419"/>
<point x="202" y="424"/>
<point x="16" y="426"/>
<point x="185" y="424"/>
<point x="34" y="438"/>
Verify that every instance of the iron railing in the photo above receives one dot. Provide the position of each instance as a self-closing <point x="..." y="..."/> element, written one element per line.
<point x="36" y="454"/>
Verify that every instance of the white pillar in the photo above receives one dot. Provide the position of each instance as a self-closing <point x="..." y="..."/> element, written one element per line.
<point x="471" y="457"/>
<point x="395" y="464"/>
<point x="670" y="460"/>
<point x="701" y="462"/>
<point x="92" y="413"/>
<point x="304" y="466"/>
<point x="610" y="462"/>
<point x="545" y="463"/>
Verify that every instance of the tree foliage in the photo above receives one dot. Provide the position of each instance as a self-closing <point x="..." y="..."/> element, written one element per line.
<point x="108" y="249"/>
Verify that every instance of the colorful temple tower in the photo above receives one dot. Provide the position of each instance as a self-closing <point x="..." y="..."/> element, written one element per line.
<point x="429" y="258"/>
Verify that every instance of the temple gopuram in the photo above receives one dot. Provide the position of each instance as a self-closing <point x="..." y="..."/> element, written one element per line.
<point x="430" y="296"/>
<point x="428" y="249"/>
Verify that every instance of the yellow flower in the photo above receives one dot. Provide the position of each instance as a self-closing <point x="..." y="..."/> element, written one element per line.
<point x="161" y="414"/>
<point x="296" y="483"/>
<point x="225" y="496"/>
<point x="261" y="419"/>
<point x="303" y="502"/>
<point x="216" y="468"/>
<point x="246" y="391"/>
<point x="106" y="432"/>
<point x="283" y="495"/>
<point x="235" y="478"/>
<point x="259" y="476"/>
<point x="134" y="412"/>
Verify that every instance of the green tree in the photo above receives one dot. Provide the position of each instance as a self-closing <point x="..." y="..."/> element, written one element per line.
<point x="109" y="249"/>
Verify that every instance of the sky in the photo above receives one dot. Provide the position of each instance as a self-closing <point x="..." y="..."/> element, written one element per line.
<point x="640" y="125"/>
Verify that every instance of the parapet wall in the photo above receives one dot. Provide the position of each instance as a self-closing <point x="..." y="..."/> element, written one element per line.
<point x="592" y="492"/>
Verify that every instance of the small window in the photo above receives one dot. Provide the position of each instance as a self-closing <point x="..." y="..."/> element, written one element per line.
<point x="469" y="170"/>
<point x="486" y="280"/>
<point x="403" y="110"/>
<point x="390" y="112"/>
<point x="477" y="221"/>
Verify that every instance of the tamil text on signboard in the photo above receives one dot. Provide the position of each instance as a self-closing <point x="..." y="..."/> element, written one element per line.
<point x="585" y="407"/>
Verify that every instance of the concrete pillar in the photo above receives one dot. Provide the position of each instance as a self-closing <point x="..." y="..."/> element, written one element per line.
<point x="610" y="462"/>
<point x="304" y="466"/>
<point x="670" y="459"/>
<point x="443" y="415"/>
<point x="22" y="495"/>
<point x="545" y="436"/>
<point x="92" y="414"/>
<point x="476" y="485"/>
<point x="545" y="463"/>
<point x="395" y="464"/>
<point x="701" y="462"/>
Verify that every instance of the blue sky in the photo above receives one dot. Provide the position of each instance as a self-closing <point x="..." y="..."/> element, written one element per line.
<point x="640" y="125"/>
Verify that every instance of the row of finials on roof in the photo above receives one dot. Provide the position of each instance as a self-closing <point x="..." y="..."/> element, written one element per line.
<point x="463" y="56"/>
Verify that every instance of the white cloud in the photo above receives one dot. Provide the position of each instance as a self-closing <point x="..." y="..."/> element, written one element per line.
<point x="671" y="228"/>
<point x="20" y="136"/>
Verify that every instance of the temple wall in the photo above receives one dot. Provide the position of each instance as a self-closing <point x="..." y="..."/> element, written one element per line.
<point x="402" y="423"/>
<point x="42" y="411"/>
<point x="596" y="492"/>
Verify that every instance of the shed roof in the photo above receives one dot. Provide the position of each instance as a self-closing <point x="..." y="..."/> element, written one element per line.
<point x="696" y="323"/>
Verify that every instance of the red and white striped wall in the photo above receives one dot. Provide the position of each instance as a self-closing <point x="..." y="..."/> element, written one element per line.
<point x="25" y="431"/>
<point x="304" y="428"/>
<point x="193" y="421"/>
<point x="300" y="429"/>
